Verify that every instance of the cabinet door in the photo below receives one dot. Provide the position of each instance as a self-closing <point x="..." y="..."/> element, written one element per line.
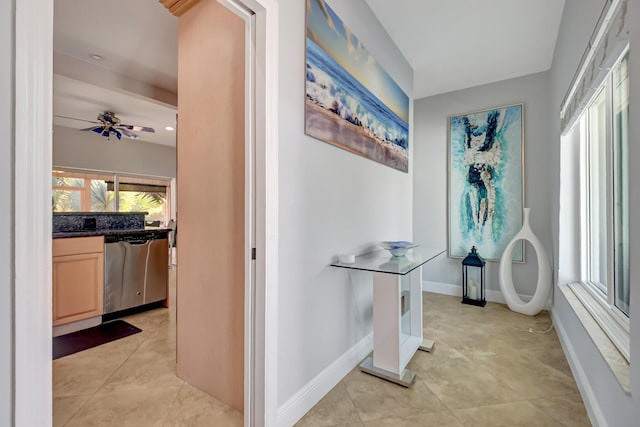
<point x="77" y="287"/>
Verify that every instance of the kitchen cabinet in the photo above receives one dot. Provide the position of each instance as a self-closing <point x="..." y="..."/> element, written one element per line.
<point x="78" y="279"/>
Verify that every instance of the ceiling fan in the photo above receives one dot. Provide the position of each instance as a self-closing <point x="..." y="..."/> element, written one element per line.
<point x="108" y="124"/>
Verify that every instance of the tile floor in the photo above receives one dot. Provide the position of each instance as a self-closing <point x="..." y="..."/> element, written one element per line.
<point x="132" y="382"/>
<point x="486" y="370"/>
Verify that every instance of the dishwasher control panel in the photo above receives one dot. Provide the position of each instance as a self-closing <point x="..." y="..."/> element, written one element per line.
<point x="139" y="236"/>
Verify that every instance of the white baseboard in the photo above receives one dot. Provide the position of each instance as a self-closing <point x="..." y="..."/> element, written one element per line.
<point x="307" y="397"/>
<point x="455" y="290"/>
<point x="588" y="396"/>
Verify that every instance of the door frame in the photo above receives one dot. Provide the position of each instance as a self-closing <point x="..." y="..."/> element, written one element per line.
<point x="32" y="365"/>
<point x="255" y="392"/>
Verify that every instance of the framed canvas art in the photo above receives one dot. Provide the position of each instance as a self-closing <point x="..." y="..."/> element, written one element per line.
<point x="485" y="180"/>
<point x="351" y="102"/>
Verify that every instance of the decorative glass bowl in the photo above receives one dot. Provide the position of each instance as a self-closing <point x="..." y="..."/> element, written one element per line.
<point x="398" y="248"/>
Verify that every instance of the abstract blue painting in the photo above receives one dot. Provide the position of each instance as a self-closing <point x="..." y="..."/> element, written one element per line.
<point x="486" y="181"/>
<point x="351" y="101"/>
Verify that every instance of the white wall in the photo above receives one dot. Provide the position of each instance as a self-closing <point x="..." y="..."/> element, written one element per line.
<point x="431" y="162"/>
<point x="87" y="150"/>
<point x="6" y="212"/>
<point x="614" y="406"/>
<point x="330" y="202"/>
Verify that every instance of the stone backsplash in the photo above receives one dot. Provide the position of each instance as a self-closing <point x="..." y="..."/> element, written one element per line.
<point x="81" y="221"/>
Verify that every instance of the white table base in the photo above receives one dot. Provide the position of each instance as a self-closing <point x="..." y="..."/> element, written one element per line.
<point x="405" y="378"/>
<point x="393" y="349"/>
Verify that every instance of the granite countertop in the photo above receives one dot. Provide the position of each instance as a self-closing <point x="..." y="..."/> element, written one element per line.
<point x="89" y="233"/>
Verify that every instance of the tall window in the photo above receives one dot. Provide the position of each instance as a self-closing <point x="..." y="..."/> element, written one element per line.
<point x="620" y="82"/>
<point x="604" y="190"/>
<point x="75" y="191"/>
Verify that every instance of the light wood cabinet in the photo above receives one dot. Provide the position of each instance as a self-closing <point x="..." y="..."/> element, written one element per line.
<point x="78" y="279"/>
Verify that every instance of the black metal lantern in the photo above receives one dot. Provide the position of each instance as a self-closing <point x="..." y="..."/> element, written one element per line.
<point x="473" y="279"/>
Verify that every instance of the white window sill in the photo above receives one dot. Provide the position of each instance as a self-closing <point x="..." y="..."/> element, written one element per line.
<point x="577" y="297"/>
<point x="598" y="309"/>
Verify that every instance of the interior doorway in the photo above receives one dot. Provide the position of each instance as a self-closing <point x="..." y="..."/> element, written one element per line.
<point x="32" y="285"/>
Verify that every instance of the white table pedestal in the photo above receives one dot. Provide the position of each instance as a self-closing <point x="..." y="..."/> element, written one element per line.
<point x="397" y="312"/>
<point x="397" y="326"/>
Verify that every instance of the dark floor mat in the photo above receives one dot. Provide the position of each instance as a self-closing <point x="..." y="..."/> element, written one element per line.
<point x="74" y="342"/>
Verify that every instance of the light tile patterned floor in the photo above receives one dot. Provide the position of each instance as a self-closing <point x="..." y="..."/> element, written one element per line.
<point x="133" y="382"/>
<point x="486" y="370"/>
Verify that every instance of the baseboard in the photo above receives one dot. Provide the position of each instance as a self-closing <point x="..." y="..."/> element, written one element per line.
<point x="306" y="398"/>
<point x="76" y="326"/>
<point x="455" y="290"/>
<point x="588" y="396"/>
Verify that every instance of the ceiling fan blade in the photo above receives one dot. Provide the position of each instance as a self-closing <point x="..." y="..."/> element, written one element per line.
<point x="128" y="133"/>
<point x="93" y="128"/>
<point x="138" y="128"/>
<point x="80" y="120"/>
<point x="107" y="132"/>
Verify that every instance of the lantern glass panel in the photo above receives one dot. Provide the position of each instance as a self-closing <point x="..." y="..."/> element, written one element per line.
<point x="474" y="276"/>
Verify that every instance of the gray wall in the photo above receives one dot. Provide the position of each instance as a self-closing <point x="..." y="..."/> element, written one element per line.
<point x="330" y="202"/>
<point x="430" y="176"/>
<point x="87" y="150"/>
<point x="7" y="64"/>
<point x="608" y="399"/>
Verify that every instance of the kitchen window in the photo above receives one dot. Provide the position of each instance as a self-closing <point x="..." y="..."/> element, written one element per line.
<point x="604" y="223"/>
<point x="83" y="191"/>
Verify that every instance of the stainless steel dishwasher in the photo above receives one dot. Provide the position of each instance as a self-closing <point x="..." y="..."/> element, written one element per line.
<point x="135" y="270"/>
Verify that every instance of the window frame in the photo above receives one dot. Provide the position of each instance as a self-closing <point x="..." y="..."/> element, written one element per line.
<point x="85" y="190"/>
<point x="116" y="177"/>
<point x="600" y="304"/>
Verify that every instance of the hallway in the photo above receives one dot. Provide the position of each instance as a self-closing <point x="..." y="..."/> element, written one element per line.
<point x="486" y="371"/>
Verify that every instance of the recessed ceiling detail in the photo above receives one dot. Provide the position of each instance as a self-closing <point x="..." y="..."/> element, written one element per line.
<point x="140" y="38"/>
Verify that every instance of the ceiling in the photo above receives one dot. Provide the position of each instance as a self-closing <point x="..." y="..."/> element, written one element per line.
<point x="138" y="43"/>
<point x="456" y="44"/>
<point x="451" y="45"/>
<point x="83" y="101"/>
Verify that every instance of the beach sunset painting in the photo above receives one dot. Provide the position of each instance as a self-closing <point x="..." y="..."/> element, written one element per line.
<point x="351" y="102"/>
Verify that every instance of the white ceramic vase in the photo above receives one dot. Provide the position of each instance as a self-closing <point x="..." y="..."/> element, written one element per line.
<point x="541" y="295"/>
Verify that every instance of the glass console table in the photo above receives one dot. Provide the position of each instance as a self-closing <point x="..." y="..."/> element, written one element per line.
<point x="397" y="311"/>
